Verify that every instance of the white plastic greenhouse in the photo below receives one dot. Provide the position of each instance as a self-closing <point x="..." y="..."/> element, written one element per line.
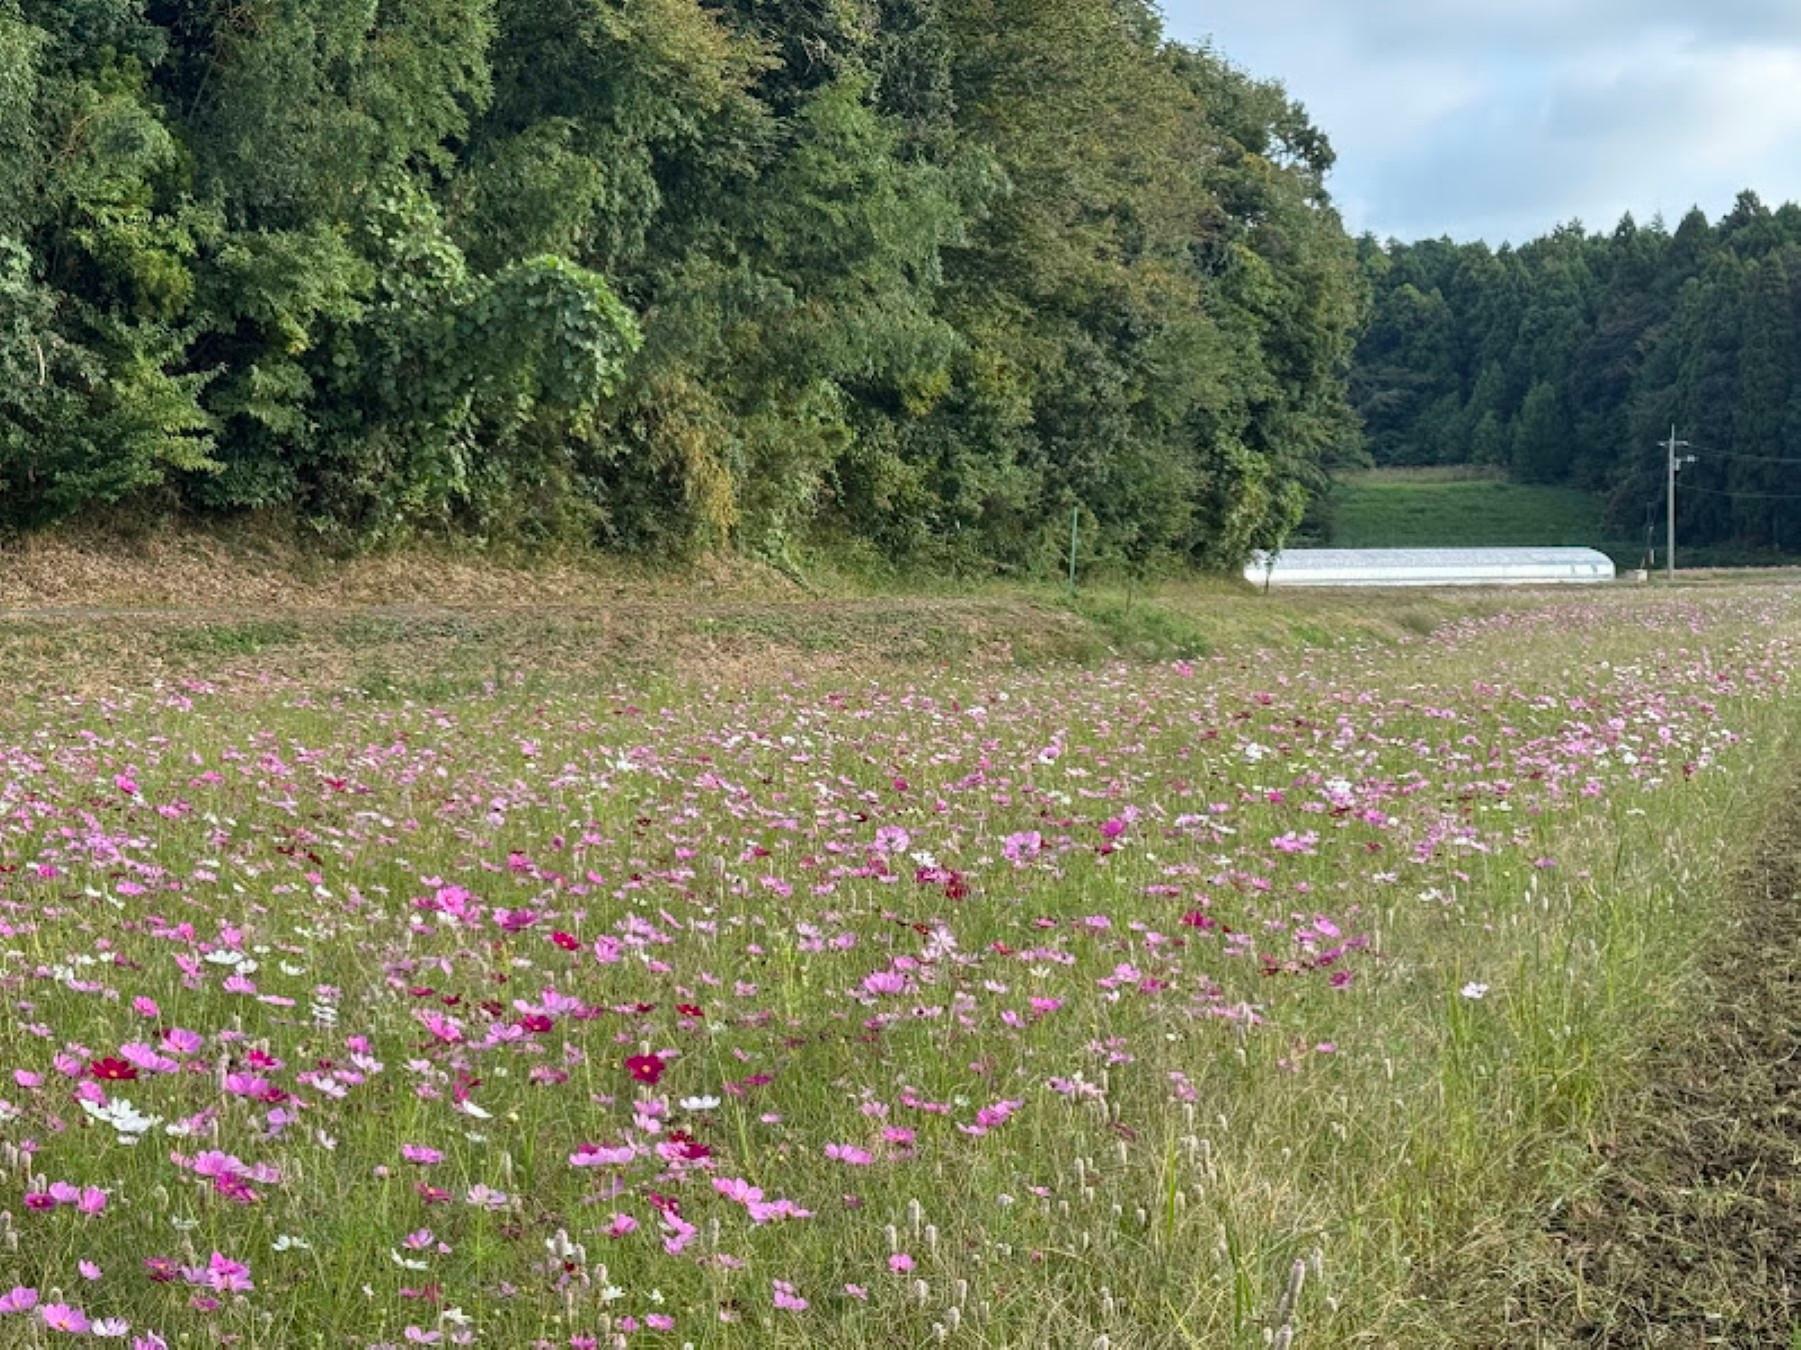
<point x="1432" y="567"/>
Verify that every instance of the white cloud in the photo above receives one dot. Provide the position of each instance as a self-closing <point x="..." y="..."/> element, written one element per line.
<point x="1491" y="120"/>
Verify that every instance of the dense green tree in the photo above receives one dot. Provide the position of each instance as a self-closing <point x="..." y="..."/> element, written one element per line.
<point x="1768" y="359"/>
<point x="918" y="277"/>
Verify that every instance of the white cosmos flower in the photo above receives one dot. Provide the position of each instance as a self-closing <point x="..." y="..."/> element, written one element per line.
<point x="700" y="1103"/>
<point x="122" y="1116"/>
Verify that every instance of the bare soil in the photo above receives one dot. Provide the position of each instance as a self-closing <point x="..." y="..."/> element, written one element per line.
<point x="1693" y="1237"/>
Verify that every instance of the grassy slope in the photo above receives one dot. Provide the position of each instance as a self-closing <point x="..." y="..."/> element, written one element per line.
<point x="1394" y="510"/>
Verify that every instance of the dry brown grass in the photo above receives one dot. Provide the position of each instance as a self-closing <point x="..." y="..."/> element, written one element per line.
<point x="104" y="566"/>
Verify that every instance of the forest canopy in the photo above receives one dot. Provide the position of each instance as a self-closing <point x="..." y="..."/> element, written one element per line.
<point x="1568" y="360"/>
<point x="919" y="277"/>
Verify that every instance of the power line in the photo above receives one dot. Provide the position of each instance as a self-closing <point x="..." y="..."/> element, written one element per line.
<point x="1749" y="496"/>
<point x="1759" y="459"/>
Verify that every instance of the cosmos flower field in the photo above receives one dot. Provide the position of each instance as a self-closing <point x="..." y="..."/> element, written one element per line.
<point x="1246" y="1000"/>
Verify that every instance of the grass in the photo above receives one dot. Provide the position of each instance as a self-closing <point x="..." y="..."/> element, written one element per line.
<point x="1466" y="506"/>
<point x="1394" y="509"/>
<point x="1310" y="937"/>
<point x="1691" y="1228"/>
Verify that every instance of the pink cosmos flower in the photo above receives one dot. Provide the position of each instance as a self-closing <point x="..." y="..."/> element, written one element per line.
<point x="600" y="1155"/>
<point x="991" y="1117"/>
<point x="143" y="1057"/>
<point x="1021" y="848"/>
<point x="62" y="1317"/>
<point x="787" y="1298"/>
<point x="892" y="839"/>
<point x="182" y="1041"/>
<point x="221" y="1275"/>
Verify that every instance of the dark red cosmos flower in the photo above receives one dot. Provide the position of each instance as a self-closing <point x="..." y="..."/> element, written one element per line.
<point x="690" y="1010"/>
<point x="112" y="1070"/>
<point x="536" y="1023"/>
<point x="646" y="1068"/>
<point x="691" y="1149"/>
<point x="567" y="941"/>
<point x="161" y="1269"/>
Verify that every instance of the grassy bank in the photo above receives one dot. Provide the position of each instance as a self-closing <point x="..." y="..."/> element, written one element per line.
<point x="1423" y="509"/>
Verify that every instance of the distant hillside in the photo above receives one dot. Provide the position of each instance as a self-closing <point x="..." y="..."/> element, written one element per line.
<point x="1396" y="508"/>
<point x="1566" y="360"/>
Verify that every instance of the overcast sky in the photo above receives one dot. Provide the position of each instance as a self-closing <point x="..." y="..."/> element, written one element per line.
<point x="1496" y="119"/>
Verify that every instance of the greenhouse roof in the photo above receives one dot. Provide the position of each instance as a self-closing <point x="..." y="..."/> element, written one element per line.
<point x="1431" y="566"/>
<point x="1313" y="558"/>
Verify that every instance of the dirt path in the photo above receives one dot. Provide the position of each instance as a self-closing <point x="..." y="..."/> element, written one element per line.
<point x="1694" y="1238"/>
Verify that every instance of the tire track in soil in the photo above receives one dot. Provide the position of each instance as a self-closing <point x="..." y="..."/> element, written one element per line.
<point x="1693" y="1237"/>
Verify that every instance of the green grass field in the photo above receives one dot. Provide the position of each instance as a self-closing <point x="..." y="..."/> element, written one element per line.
<point x="1395" y="509"/>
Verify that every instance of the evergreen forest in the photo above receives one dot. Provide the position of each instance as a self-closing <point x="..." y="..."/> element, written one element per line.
<point x="1569" y="359"/>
